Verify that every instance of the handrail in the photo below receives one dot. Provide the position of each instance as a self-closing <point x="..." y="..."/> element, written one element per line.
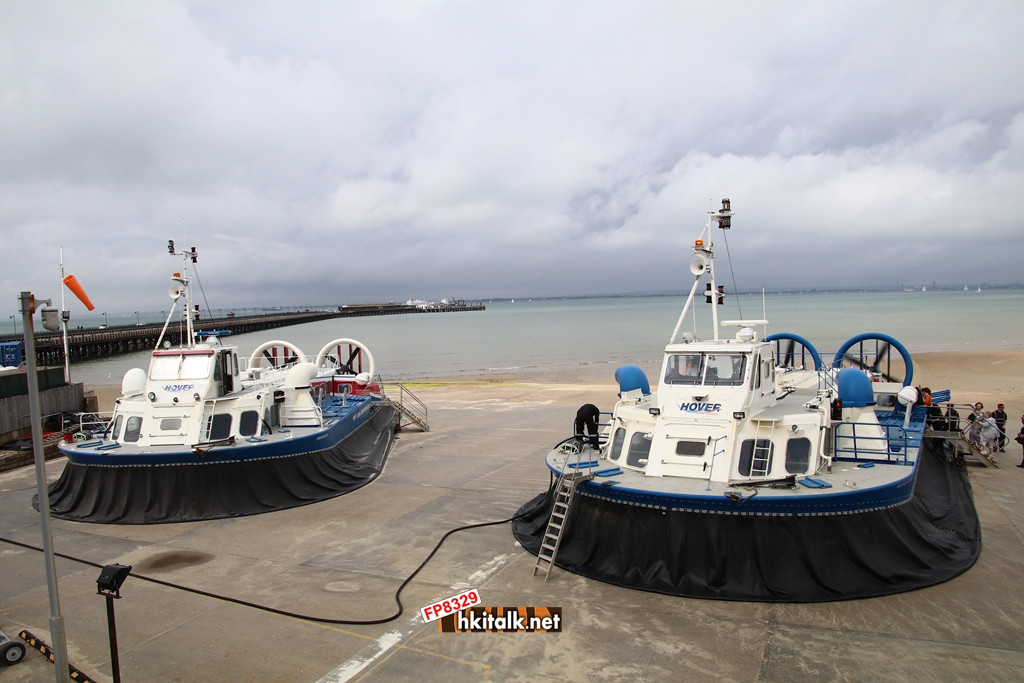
<point x="417" y="410"/>
<point x="570" y="447"/>
<point x="24" y="421"/>
<point x="603" y="429"/>
<point x="403" y="392"/>
<point x="102" y="421"/>
<point x="895" y="440"/>
<point x="827" y="380"/>
<point x="715" y="450"/>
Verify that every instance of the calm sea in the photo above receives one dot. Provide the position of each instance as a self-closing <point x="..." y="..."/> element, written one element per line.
<point x="588" y="338"/>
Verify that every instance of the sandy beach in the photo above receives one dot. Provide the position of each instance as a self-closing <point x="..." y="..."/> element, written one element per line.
<point x="990" y="376"/>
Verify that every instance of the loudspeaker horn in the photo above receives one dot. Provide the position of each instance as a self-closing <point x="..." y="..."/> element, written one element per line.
<point x="175" y="292"/>
<point x="698" y="266"/>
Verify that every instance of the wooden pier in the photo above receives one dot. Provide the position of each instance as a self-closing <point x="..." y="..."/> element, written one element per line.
<point x="112" y="341"/>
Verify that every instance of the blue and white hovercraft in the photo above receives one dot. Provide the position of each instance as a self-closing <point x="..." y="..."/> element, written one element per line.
<point x="757" y="472"/>
<point x="202" y="434"/>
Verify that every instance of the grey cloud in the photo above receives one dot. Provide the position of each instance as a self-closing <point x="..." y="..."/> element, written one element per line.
<point x="356" y="151"/>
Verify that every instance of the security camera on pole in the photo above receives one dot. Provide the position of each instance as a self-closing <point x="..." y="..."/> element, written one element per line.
<point x="51" y="321"/>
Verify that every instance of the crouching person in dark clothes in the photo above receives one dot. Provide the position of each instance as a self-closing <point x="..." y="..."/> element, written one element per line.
<point x="586" y="418"/>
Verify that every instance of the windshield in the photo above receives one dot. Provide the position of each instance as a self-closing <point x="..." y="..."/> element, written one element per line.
<point x="709" y="369"/>
<point x="180" y="367"/>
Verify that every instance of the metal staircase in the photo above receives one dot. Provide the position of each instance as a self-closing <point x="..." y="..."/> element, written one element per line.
<point x="571" y="476"/>
<point x="961" y="445"/>
<point x="984" y="457"/>
<point x="949" y="426"/>
<point x="410" y="407"/>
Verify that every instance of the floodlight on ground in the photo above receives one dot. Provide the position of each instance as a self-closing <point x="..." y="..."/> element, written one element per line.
<point x="109" y="586"/>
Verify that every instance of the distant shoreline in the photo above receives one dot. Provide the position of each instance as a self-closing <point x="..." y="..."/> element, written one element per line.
<point x="985" y="287"/>
<point x="154" y="317"/>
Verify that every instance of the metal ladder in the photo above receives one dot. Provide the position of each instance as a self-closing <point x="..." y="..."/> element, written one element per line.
<point x="565" y="489"/>
<point x="761" y="456"/>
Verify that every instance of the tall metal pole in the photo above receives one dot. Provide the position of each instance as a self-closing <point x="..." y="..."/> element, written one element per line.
<point x="60" y="646"/>
<point x="65" y="316"/>
<point x="115" y="661"/>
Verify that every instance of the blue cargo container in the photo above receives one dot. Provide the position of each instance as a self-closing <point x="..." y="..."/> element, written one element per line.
<point x="10" y="354"/>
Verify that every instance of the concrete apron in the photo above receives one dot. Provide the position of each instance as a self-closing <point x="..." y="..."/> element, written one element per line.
<point x="482" y="458"/>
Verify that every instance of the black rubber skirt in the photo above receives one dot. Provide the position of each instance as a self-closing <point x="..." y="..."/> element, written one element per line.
<point x="192" y="492"/>
<point x="931" y="538"/>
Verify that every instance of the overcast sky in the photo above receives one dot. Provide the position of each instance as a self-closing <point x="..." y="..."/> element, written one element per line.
<point x="343" y="152"/>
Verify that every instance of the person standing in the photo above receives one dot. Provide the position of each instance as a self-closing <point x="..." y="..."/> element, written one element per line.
<point x="973" y="426"/>
<point x="1020" y="440"/>
<point x="586" y="418"/>
<point x="952" y="418"/>
<point x="988" y="435"/>
<point x="999" y="415"/>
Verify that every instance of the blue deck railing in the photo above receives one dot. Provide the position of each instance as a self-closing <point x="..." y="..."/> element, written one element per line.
<point x="861" y="440"/>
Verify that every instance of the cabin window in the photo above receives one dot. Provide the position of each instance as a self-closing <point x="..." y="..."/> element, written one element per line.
<point x="691" y="448"/>
<point x="169" y="424"/>
<point x="639" y="449"/>
<point x="132" y="429"/>
<point x="220" y="426"/>
<point x="725" y="369"/>
<point x="164" y="367"/>
<point x="195" y="367"/>
<point x="798" y="455"/>
<point x="713" y="369"/>
<point x="748" y="453"/>
<point x="617" y="439"/>
<point x="249" y="423"/>
<point x="684" y="368"/>
<point x="180" y="367"/>
<point x="116" y="431"/>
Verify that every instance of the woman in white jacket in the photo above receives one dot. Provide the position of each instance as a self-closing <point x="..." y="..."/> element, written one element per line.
<point x="989" y="433"/>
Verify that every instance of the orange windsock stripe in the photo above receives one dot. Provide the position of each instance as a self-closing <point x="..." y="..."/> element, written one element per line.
<point x="77" y="290"/>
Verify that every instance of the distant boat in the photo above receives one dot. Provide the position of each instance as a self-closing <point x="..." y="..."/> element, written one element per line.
<point x="924" y="289"/>
<point x="965" y="288"/>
